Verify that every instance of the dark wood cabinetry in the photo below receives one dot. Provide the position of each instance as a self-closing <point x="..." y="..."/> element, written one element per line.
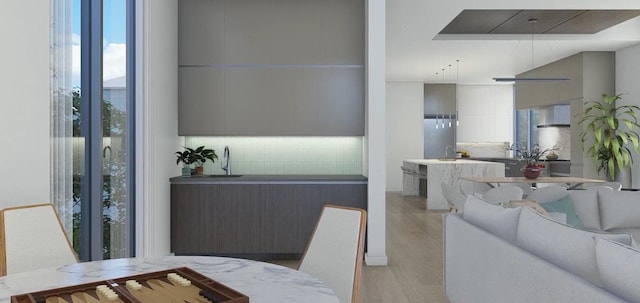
<point x="252" y="220"/>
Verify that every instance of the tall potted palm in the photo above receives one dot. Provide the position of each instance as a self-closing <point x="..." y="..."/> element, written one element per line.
<point x="608" y="131"/>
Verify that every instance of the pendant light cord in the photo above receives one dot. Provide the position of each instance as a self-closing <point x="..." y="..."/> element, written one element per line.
<point x="532" y="21"/>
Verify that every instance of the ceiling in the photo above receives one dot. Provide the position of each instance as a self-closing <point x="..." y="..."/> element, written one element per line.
<point x="559" y="21"/>
<point x="418" y="51"/>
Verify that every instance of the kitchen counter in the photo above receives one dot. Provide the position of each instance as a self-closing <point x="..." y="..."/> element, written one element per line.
<point x="447" y="162"/>
<point x="448" y="171"/>
<point x="271" y="179"/>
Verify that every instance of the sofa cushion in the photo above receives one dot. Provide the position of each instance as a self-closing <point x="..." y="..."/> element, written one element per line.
<point x="618" y="268"/>
<point x="569" y="248"/>
<point x="500" y="221"/>
<point x="619" y="209"/>
<point x="585" y="203"/>
<point x="634" y="232"/>
<point x="564" y="205"/>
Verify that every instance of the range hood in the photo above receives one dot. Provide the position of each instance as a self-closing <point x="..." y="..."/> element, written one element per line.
<point x="554" y="116"/>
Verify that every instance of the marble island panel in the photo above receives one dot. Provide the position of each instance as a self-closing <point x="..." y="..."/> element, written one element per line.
<point x="450" y="172"/>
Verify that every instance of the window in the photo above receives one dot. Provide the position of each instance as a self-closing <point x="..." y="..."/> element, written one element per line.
<point x="92" y="124"/>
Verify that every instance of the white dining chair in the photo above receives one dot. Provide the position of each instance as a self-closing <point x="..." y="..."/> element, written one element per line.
<point x="526" y="187"/>
<point x="613" y="185"/>
<point x="454" y="197"/>
<point x="548" y="194"/>
<point x="502" y="194"/>
<point x="335" y="252"/>
<point x="470" y="187"/>
<point x="32" y="237"/>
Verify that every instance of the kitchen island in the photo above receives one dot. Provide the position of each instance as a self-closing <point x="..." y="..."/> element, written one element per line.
<point x="255" y="216"/>
<point x="448" y="171"/>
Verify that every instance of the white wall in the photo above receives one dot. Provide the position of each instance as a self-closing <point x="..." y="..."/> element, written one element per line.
<point x="24" y="118"/>
<point x="157" y="123"/>
<point x="485" y="113"/>
<point x="405" y="139"/>
<point x="627" y="71"/>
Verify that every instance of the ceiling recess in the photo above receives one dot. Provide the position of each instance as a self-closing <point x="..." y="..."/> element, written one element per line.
<point x="484" y="22"/>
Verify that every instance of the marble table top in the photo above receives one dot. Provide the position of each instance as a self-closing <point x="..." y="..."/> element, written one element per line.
<point x="261" y="282"/>
<point x="567" y="180"/>
<point x="449" y="162"/>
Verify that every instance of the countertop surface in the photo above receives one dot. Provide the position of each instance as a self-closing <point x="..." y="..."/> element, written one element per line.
<point x="449" y="162"/>
<point x="509" y="159"/>
<point x="292" y="179"/>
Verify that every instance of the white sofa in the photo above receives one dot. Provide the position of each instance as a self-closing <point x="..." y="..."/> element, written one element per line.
<point x="604" y="210"/>
<point x="493" y="254"/>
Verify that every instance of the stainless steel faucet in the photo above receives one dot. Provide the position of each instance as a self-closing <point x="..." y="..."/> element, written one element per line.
<point x="446" y="152"/>
<point x="226" y="157"/>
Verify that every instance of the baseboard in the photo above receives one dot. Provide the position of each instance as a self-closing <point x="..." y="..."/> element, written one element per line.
<point x="375" y="260"/>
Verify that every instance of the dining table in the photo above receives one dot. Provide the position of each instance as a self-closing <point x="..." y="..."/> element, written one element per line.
<point x="262" y="282"/>
<point x="572" y="182"/>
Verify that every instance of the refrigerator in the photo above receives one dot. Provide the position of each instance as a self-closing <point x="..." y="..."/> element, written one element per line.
<point x="436" y="140"/>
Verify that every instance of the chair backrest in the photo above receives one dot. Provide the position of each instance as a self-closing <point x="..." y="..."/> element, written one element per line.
<point x="613" y="185"/>
<point x="470" y="187"/>
<point x="526" y="187"/>
<point x="503" y="194"/>
<point x="335" y="252"/>
<point x="32" y="237"/>
<point x="600" y="187"/>
<point x="453" y="196"/>
<point x="548" y="194"/>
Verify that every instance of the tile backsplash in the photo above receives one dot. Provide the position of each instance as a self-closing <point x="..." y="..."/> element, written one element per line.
<point x="484" y="149"/>
<point x="285" y="155"/>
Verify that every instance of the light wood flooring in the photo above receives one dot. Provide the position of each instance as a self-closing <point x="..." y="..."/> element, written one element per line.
<point x="414" y="252"/>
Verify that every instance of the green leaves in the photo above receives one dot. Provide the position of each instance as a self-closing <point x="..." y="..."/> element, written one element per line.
<point x="603" y="137"/>
<point x="196" y="156"/>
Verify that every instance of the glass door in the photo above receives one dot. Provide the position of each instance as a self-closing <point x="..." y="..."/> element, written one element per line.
<point x="92" y="102"/>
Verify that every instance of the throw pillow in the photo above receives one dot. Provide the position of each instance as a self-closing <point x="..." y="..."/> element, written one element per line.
<point x="619" y="209"/>
<point x="564" y="205"/>
<point x="619" y="268"/>
<point x="500" y="221"/>
<point x="569" y="248"/>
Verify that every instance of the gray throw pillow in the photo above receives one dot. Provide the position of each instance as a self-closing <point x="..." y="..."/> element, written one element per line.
<point x="619" y="268"/>
<point x="569" y="248"/>
<point x="500" y="221"/>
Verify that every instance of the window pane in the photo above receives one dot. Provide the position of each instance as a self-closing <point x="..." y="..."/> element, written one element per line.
<point x="115" y="132"/>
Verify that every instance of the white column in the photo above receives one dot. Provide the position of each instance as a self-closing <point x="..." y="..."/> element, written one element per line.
<point x="375" y="141"/>
<point x="156" y="123"/>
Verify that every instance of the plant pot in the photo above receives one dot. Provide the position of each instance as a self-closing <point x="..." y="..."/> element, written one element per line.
<point x="186" y="171"/>
<point x="623" y="176"/>
<point x="531" y="171"/>
<point x="199" y="171"/>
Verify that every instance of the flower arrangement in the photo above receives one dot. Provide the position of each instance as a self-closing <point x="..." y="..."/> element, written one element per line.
<point x="531" y="156"/>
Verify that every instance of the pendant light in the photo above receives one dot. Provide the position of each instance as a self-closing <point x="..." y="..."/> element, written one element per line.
<point x="532" y="21"/>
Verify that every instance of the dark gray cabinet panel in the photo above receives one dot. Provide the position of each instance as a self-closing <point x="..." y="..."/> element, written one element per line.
<point x="439" y="99"/>
<point x="258" y="221"/>
<point x="204" y="114"/>
<point x="341" y="102"/>
<point x="195" y="45"/>
<point x="271" y="68"/>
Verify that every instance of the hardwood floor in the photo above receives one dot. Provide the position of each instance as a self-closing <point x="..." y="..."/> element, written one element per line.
<point x="414" y="251"/>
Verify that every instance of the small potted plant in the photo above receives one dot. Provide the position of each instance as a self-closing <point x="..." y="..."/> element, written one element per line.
<point x="197" y="157"/>
<point x="531" y="157"/>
